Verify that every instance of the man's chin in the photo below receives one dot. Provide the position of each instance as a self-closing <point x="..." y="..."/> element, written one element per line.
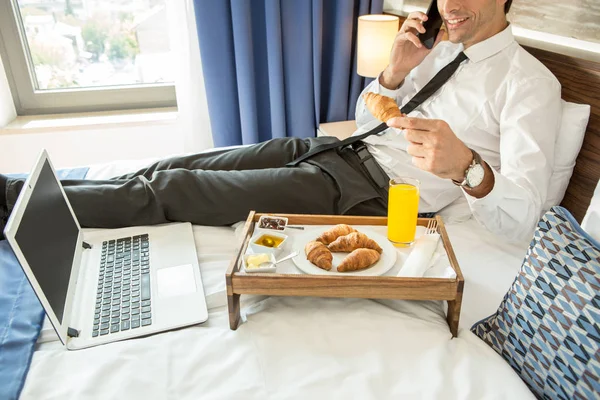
<point x="453" y="37"/>
<point x="456" y="38"/>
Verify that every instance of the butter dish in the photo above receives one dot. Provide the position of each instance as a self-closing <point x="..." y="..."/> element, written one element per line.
<point x="251" y="262"/>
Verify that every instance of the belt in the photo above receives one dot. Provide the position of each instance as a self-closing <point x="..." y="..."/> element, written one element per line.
<point x="370" y="166"/>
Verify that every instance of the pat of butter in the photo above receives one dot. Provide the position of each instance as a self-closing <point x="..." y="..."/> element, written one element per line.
<point x="255" y="260"/>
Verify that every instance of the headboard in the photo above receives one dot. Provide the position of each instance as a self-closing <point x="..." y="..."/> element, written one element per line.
<point x="580" y="82"/>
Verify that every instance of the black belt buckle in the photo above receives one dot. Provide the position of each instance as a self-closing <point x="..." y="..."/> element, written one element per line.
<point x="361" y="151"/>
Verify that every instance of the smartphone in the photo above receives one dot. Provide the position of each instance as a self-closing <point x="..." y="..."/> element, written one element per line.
<point x="432" y="25"/>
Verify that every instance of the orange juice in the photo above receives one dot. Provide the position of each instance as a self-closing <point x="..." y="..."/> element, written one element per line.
<point x="403" y="206"/>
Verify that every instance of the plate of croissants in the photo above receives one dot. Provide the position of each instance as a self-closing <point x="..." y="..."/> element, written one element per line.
<point x="344" y="250"/>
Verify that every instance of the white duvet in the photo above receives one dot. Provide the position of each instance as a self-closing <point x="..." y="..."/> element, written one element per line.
<point x="300" y="348"/>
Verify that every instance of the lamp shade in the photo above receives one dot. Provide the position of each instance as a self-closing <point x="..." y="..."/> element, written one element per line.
<point x="375" y="38"/>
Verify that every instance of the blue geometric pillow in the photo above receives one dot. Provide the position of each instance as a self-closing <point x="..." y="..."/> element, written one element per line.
<point x="548" y="325"/>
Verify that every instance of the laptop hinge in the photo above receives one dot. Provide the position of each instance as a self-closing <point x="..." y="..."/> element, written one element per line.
<point x="72" y="332"/>
<point x="86" y="245"/>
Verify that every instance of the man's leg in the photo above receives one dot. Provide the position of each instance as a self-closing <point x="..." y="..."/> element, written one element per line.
<point x="270" y="154"/>
<point x="200" y="196"/>
<point x="376" y="207"/>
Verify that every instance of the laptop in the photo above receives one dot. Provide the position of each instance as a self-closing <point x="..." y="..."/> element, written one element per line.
<point x="104" y="285"/>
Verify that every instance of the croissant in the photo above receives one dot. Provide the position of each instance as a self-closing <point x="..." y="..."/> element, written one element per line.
<point x="382" y="107"/>
<point x="334" y="232"/>
<point x="358" y="259"/>
<point x="353" y="241"/>
<point x="318" y="254"/>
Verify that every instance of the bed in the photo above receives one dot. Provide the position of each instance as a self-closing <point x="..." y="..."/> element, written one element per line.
<point x="317" y="347"/>
<point x="298" y="347"/>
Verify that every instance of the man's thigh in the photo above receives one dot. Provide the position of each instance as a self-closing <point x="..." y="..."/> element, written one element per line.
<point x="270" y="154"/>
<point x="224" y="197"/>
<point x="375" y="207"/>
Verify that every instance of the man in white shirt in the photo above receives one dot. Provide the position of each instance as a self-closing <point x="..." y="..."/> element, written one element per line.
<point x="501" y="103"/>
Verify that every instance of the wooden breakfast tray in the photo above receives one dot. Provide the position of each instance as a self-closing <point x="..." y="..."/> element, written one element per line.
<point x="370" y="287"/>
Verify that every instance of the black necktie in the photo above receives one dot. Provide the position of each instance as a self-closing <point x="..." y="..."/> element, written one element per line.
<point x="430" y="88"/>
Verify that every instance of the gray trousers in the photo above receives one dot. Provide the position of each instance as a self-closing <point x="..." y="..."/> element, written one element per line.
<point x="221" y="187"/>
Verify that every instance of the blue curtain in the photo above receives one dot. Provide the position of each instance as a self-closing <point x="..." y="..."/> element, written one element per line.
<point x="277" y="68"/>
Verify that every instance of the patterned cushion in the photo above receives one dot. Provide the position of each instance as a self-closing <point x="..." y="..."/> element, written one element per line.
<point x="548" y="325"/>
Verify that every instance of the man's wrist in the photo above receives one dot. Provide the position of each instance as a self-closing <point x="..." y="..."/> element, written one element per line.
<point x="460" y="173"/>
<point x="471" y="180"/>
<point x="391" y="80"/>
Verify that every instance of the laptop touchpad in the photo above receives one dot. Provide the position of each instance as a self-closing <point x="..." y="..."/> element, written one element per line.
<point x="176" y="281"/>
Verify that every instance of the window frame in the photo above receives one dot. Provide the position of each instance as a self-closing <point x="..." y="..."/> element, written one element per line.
<point x="14" y="50"/>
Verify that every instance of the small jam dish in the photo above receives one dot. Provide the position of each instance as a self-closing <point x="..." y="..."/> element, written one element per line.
<point x="267" y="241"/>
<point x="272" y="223"/>
<point x="252" y="262"/>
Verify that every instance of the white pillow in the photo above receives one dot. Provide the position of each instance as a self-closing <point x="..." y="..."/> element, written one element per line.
<point x="591" y="221"/>
<point x="568" y="143"/>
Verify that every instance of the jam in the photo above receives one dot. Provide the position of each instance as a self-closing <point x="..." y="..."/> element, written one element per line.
<point x="272" y="223"/>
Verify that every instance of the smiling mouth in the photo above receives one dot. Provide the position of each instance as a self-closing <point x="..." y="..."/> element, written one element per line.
<point x="455" y="22"/>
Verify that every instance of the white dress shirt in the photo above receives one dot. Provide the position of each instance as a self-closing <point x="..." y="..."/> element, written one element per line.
<point x="501" y="102"/>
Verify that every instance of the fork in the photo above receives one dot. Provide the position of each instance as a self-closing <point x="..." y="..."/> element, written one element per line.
<point x="431" y="227"/>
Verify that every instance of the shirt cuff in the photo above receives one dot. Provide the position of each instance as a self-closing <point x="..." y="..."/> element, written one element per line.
<point x="380" y="89"/>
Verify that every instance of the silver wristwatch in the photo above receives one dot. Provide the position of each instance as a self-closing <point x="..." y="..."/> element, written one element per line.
<point x="474" y="174"/>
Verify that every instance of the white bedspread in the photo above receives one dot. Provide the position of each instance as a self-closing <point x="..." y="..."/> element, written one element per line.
<point x="302" y="347"/>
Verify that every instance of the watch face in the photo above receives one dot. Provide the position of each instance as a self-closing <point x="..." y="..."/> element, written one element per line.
<point x="475" y="175"/>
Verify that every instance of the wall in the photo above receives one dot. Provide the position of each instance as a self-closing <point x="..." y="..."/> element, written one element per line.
<point x="189" y="131"/>
<point x="578" y="19"/>
<point x="69" y="148"/>
<point x="568" y="28"/>
<point x="7" y="108"/>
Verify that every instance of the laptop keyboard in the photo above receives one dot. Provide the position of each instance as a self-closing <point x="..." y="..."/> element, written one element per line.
<point x="123" y="292"/>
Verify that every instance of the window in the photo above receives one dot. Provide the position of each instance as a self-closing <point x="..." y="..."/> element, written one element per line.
<point x="86" y="55"/>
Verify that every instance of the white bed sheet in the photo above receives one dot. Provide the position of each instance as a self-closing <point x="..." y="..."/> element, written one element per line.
<point x="301" y="347"/>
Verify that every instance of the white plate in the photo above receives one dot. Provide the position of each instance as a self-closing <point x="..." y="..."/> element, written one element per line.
<point x="385" y="263"/>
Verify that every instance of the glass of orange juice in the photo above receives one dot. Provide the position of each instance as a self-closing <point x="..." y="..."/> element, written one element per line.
<point x="403" y="206"/>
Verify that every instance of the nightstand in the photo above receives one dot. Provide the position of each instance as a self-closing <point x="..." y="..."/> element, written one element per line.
<point x="341" y="130"/>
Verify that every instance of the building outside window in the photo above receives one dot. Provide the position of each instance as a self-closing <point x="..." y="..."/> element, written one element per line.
<point x="87" y="55"/>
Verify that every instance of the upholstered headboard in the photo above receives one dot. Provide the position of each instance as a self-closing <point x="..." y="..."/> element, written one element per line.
<point x="580" y="82"/>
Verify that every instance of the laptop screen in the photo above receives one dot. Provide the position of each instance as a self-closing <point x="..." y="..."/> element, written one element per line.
<point x="47" y="236"/>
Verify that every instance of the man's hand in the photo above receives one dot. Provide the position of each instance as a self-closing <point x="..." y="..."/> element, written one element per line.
<point x="407" y="51"/>
<point x="434" y="147"/>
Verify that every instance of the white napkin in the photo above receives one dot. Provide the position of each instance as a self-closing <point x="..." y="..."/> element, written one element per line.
<point x="419" y="259"/>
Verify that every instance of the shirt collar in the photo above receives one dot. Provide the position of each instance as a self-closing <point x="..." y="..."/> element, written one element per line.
<point x="482" y="50"/>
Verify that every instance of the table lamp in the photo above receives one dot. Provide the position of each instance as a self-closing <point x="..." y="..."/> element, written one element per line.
<point x="375" y="37"/>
